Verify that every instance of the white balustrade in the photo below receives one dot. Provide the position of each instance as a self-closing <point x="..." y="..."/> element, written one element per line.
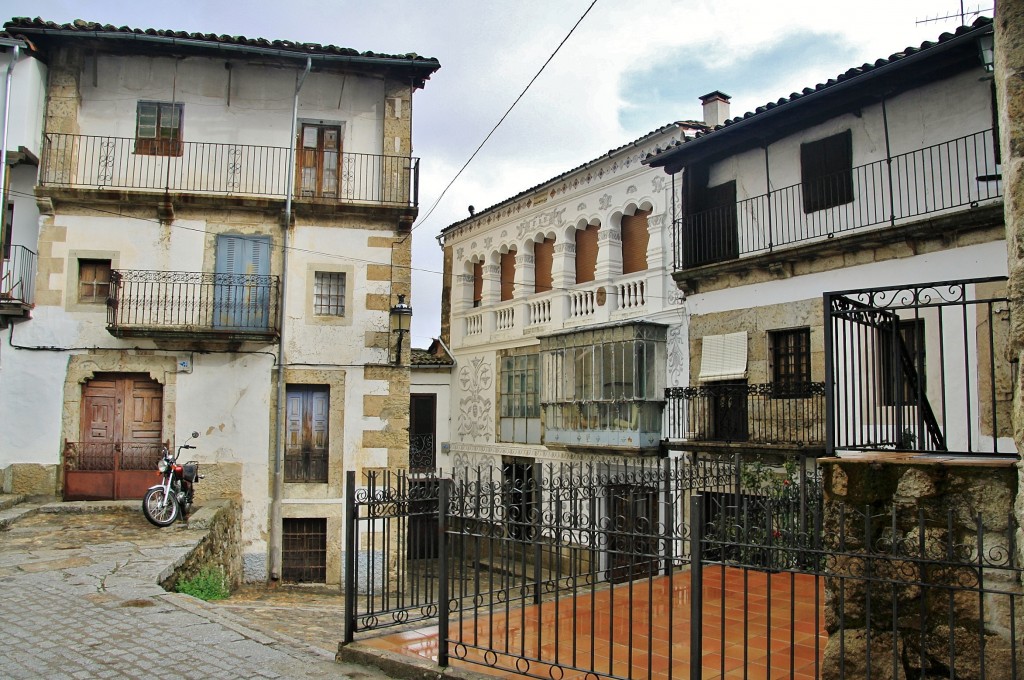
<point x="632" y="294"/>
<point x="582" y="303"/>
<point x="538" y="312"/>
<point x="475" y="324"/>
<point x="505" y="318"/>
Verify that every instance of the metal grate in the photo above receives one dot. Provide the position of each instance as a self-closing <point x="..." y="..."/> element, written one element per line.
<point x="304" y="553"/>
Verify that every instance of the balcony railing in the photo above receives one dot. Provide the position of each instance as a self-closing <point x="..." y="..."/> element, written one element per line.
<point x="921" y="368"/>
<point x="957" y="173"/>
<point x="84" y="161"/>
<point x="196" y="304"/>
<point x="17" y="280"/>
<point x="764" y="413"/>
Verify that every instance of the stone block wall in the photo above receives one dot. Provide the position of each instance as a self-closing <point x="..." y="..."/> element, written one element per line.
<point x="221" y="546"/>
<point x="919" y="569"/>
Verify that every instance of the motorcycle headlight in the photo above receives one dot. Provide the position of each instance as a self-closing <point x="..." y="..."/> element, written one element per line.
<point x="162" y="465"/>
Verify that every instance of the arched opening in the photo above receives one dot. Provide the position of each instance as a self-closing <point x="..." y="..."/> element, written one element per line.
<point x="543" y="260"/>
<point x="635" y="241"/>
<point x="507" y="261"/>
<point x="586" y="253"/>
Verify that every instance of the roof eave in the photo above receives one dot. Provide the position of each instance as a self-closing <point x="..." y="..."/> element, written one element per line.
<point x="422" y="67"/>
<point x="675" y="158"/>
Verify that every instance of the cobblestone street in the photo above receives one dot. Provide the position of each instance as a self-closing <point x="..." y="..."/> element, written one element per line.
<point x="82" y="600"/>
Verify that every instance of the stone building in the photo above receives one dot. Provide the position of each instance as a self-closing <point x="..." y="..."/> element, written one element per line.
<point x="224" y="227"/>
<point x="869" y="190"/>
<point x="562" y="317"/>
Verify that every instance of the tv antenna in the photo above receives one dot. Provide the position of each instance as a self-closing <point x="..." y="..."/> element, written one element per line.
<point x="961" y="15"/>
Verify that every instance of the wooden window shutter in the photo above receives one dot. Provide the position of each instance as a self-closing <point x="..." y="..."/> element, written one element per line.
<point x="478" y="283"/>
<point x="586" y="253"/>
<point x="543" y="257"/>
<point x="635" y="239"/>
<point x="508" y="274"/>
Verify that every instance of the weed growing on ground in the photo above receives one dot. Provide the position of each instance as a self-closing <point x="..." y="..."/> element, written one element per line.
<point x="209" y="584"/>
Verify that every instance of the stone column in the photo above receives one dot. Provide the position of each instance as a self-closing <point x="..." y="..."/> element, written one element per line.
<point x="609" y="253"/>
<point x="563" y="268"/>
<point x="1009" y="81"/>
<point x="491" y="293"/>
<point x="525" y="273"/>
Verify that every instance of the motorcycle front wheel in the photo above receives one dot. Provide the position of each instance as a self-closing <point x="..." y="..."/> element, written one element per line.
<point x="158" y="508"/>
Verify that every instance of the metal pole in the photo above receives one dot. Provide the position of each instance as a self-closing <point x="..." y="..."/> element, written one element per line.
<point x="279" y="412"/>
<point x="538" y="470"/>
<point x="442" y="586"/>
<point x="351" y="518"/>
<point x="696" y="585"/>
<point x="3" y="141"/>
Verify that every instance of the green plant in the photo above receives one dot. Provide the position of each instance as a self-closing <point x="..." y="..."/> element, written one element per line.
<point x="209" y="584"/>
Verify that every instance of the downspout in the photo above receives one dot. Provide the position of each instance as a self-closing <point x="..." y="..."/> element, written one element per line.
<point x="3" y="142"/>
<point x="279" y="414"/>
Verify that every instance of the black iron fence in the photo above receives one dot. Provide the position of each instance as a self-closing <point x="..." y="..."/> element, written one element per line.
<point x="920" y="368"/>
<point x="227" y="169"/>
<point x="145" y="302"/>
<point x="18" y="276"/>
<point x="422" y="454"/>
<point x="710" y="567"/>
<point x="764" y="413"/>
<point x="957" y="173"/>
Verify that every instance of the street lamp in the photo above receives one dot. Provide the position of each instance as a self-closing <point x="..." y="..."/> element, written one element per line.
<point x="986" y="48"/>
<point x="401" y="318"/>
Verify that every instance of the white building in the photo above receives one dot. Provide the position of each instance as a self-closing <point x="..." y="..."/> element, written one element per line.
<point x="169" y="297"/>
<point x="878" y="184"/>
<point x="562" y="315"/>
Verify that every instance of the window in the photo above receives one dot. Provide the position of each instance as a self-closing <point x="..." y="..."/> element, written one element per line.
<point x="635" y="239"/>
<point x="604" y="386"/>
<point x="902" y="362"/>
<point x="306" y="446"/>
<point x="710" y="232"/>
<point x="826" y="172"/>
<point x="319" y="152"/>
<point x="520" y="406"/>
<point x="478" y="283"/>
<point x="93" y="281"/>
<point x="544" y="256"/>
<point x="304" y="550"/>
<point x="586" y="253"/>
<point x="158" y="129"/>
<point x="7" y="234"/>
<point x="329" y="294"/>
<point x="508" y="275"/>
<point x="791" y="362"/>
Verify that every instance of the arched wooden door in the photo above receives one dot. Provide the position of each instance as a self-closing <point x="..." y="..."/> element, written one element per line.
<point x="120" y="438"/>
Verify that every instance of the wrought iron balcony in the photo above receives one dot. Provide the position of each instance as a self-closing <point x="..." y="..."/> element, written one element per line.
<point x="83" y="161"/>
<point x="764" y="413"/>
<point x="17" y="282"/>
<point x="196" y="305"/>
<point x="961" y="172"/>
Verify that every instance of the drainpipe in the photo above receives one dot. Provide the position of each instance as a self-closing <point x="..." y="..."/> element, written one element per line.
<point x="3" y="141"/>
<point x="279" y="414"/>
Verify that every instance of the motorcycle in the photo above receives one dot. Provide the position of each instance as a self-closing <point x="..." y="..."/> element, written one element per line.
<point x="172" y="497"/>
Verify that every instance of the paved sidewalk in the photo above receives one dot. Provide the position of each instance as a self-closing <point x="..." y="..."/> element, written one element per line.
<point x="80" y="599"/>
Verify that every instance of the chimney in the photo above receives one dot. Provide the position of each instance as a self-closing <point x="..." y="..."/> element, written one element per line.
<point x="716" y="108"/>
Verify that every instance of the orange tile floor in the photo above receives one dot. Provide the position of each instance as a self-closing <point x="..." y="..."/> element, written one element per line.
<point x="772" y="628"/>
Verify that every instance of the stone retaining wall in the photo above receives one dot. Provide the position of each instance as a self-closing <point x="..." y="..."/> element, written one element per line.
<point x="908" y="590"/>
<point x="221" y="546"/>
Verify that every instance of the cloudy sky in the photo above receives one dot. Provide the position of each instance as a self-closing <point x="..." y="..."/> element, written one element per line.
<point x="630" y="67"/>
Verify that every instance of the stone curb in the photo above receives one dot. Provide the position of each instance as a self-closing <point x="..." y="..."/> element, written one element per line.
<point x="400" y="666"/>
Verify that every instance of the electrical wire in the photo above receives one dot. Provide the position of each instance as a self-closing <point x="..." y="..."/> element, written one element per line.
<point x="292" y="248"/>
<point x="502" y="119"/>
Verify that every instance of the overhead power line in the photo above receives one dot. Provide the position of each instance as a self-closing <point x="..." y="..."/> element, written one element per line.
<point x="502" y="120"/>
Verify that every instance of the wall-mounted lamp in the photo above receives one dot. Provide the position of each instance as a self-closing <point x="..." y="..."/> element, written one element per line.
<point x="401" y="319"/>
<point x="986" y="47"/>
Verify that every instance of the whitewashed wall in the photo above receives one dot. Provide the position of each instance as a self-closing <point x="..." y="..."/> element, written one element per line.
<point x="260" y="100"/>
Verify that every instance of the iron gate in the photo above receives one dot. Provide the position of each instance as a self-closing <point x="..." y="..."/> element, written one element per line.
<point x="713" y="568"/>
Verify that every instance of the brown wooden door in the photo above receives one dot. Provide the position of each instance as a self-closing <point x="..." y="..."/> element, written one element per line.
<point x="319" y="157"/>
<point x="119" y="447"/>
<point x="305" y="455"/>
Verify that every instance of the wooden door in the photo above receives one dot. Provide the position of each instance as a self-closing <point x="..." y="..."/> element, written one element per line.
<point x="319" y="154"/>
<point x="306" y="450"/>
<point x="119" y="446"/>
<point x="633" y="532"/>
